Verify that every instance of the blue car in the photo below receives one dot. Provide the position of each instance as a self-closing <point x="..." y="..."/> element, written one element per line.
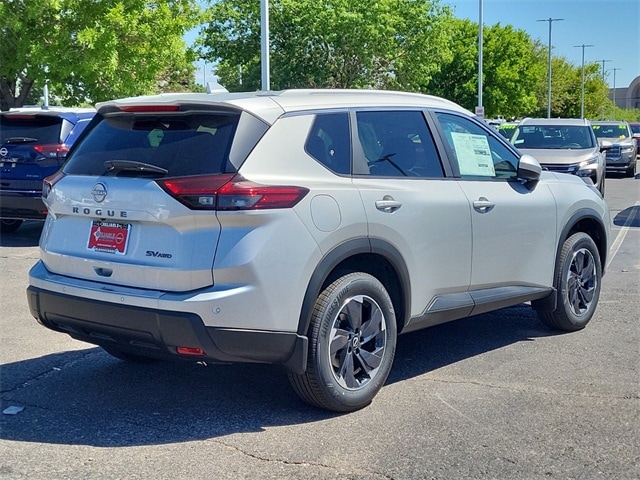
<point x="34" y="144"/>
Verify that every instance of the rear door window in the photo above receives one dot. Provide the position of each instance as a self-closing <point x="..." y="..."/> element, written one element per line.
<point x="398" y="144"/>
<point x="180" y="144"/>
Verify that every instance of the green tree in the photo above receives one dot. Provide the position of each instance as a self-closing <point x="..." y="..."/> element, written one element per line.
<point x="92" y="50"/>
<point x="512" y="66"/>
<point x="392" y="44"/>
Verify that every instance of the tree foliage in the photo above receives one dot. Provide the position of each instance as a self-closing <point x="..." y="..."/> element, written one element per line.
<point x="512" y="65"/>
<point x="92" y="50"/>
<point x="391" y="44"/>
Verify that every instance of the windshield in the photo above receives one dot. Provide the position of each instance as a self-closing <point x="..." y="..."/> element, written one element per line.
<point x="618" y="130"/>
<point x="553" y="137"/>
<point x="635" y="128"/>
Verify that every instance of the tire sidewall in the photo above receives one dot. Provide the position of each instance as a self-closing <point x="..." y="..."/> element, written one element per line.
<point x="344" y="288"/>
<point x="572" y="245"/>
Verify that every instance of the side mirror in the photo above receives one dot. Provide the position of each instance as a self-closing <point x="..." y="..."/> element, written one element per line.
<point x="605" y="145"/>
<point x="529" y="169"/>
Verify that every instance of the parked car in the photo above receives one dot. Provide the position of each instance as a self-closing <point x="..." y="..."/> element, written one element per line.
<point x="621" y="146"/>
<point x="563" y="145"/>
<point x="306" y="228"/>
<point x="507" y="129"/>
<point x="635" y="131"/>
<point x="34" y="143"/>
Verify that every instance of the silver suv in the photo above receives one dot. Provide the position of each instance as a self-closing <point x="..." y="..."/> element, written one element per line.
<point x="564" y="145"/>
<point x="620" y="145"/>
<point x="305" y="228"/>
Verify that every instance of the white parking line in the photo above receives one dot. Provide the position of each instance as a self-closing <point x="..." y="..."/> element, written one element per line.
<point x="615" y="246"/>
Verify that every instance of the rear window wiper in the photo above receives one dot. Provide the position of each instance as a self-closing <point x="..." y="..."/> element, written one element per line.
<point x="114" y="166"/>
<point x="20" y="140"/>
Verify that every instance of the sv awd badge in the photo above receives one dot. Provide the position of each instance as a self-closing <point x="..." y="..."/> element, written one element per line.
<point x="152" y="253"/>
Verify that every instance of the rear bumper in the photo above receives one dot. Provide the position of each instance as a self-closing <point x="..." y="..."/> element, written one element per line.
<point x="25" y="205"/>
<point x="158" y="334"/>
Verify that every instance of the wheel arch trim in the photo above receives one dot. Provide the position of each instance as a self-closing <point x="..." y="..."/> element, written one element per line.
<point x="343" y="252"/>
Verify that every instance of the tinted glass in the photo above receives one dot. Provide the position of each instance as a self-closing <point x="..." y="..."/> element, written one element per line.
<point x="611" y="131"/>
<point x="398" y="144"/>
<point x="182" y="145"/>
<point x="329" y="143"/>
<point x="45" y="130"/>
<point x="476" y="152"/>
<point x="553" y="137"/>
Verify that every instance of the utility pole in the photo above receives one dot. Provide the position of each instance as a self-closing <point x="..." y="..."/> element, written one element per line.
<point x="550" y="20"/>
<point x="480" y="27"/>
<point x="583" y="46"/>
<point x="264" y="44"/>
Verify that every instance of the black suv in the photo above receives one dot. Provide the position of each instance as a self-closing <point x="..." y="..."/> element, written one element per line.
<point x="33" y="145"/>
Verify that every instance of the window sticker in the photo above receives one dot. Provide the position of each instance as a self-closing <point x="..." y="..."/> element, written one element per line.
<point x="474" y="155"/>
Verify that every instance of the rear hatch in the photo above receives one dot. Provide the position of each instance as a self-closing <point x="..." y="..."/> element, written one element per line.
<point x="135" y="203"/>
<point x="31" y="149"/>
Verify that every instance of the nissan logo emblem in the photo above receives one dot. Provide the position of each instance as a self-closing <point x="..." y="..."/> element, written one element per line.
<point x="99" y="192"/>
<point x="3" y="151"/>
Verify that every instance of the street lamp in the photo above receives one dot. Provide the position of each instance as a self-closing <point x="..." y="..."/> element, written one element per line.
<point x="614" y="91"/>
<point x="603" y="62"/>
<point x="264" y="43"/>
<point x="480" y="24"/>
<point x="583" y="46"/>
<point x="550" y="20"/>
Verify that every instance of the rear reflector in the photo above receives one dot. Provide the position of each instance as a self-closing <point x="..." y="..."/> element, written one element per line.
<point x="230" y="192"/>
<point x="194" y="351"/>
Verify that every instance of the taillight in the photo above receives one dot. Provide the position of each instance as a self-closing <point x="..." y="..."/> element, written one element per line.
<point x="230" y="192"/>
<point x="52" y="150"/>
<point x="49" y="182"/>
<point x="241" y="194"/>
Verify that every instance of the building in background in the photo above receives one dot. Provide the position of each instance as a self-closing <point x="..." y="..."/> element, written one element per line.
<point x="627" y="97"/>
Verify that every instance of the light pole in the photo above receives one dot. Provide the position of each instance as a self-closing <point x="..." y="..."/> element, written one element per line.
<point x="614" y="92"/>
<point x="583" y="46"/>
<point x="264" y="43"/>
<point x="603" y="62"/>
<point x="550" y="20"/>
<point x="480" y="25"/>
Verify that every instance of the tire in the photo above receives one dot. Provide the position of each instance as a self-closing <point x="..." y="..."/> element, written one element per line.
<point x="602" y="184"/>
<point x="631" y="171"/>
<point x="9" y="226"/>
<point x="352" y="342"/>
<point x="577" y="279"/>
<point x="128" y="357"/>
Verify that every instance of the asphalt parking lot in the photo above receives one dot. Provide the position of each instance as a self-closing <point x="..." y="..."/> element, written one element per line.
<point x="493" y="396"/>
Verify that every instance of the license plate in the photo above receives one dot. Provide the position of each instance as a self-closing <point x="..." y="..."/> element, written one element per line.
<point x="109" y="237"/>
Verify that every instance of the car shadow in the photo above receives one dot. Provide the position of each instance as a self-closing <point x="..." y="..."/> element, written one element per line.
<point x="86" y="397"/>
<point x="629" y="217"/>
<point x="28" y="235"/>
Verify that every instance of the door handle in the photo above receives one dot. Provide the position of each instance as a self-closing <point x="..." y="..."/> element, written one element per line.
<point x="483" y="205"/>
<point x="388" y="204"/>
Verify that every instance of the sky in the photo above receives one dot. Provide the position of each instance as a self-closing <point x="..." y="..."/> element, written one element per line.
<point x="611" y="26"/>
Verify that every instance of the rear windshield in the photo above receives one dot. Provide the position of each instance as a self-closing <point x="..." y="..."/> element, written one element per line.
<point x="30" y="127"/>
<point x="178" y="144"/>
